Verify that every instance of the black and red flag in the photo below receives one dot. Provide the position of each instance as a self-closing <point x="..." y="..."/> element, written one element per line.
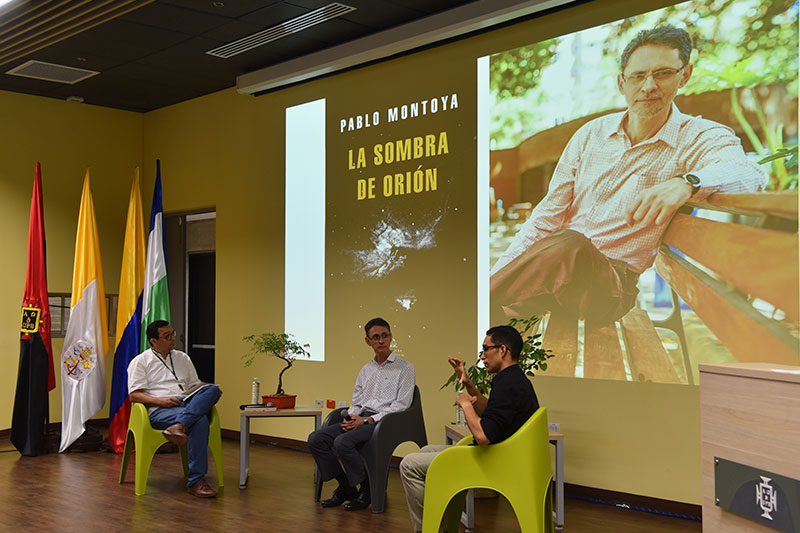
<point x="36" y="375"/>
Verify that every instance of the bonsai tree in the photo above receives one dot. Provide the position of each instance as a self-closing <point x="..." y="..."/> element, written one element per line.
<point x="283" y="346"/>
<point x="532" y="357"/>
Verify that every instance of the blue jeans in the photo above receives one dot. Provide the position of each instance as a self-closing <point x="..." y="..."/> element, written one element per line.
<point x="194" y="415"/>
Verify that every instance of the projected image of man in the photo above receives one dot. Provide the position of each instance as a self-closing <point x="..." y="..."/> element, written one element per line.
<point x="617" y="184"/>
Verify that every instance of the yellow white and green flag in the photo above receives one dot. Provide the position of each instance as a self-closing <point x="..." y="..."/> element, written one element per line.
<point x="155" y="298"/>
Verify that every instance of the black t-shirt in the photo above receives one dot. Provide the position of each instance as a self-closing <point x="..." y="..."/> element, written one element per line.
<point x="511" y="403"/>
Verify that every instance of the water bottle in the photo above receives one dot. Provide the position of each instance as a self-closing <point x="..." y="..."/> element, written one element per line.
<point x="255" y="392"/>
<point x="460" y="418"/>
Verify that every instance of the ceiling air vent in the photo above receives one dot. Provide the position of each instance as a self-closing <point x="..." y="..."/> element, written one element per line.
<point x="51" y="72"/>
<point x="312" y="18"/>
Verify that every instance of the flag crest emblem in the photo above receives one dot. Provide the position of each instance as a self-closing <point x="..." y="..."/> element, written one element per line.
<point x="30" y="319"/>
<point x="79" y="360"/>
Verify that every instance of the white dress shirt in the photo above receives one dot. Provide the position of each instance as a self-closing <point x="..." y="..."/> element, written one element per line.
<point x="150" y="374"/>
<point x="383" y="389"/>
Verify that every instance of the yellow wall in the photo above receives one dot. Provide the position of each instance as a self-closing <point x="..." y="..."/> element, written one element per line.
<point x="225" y="151"/>
<point x="65" y="138"/>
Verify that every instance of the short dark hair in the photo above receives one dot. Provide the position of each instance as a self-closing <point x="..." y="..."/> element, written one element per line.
<point x="152" y="329"/>
<point x="378" y="321"/>
<point x="508" y="337"/>
<point x="665" y="35"/>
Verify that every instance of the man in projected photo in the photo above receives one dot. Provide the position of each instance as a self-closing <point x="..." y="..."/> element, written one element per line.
<point x="384" y="385"/>
<point x="617" y="184"/>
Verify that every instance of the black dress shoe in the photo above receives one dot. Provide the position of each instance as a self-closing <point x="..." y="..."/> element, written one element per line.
<point x="340" y="495"/>
<point x="360" y="502"/>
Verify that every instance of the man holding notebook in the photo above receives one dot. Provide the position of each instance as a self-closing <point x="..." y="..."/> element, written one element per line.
<point x="165" y="380"/>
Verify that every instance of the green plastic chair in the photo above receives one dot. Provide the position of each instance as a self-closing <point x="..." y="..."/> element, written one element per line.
<point x="147" y="440"/>
<point x="518" y="468"/>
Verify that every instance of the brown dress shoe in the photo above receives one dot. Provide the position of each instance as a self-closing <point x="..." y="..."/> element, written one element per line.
<point x="176" y="434"/>
<point x="201" y="489"/>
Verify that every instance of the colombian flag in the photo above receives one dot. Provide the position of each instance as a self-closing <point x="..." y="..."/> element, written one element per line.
<point x="83" y="379"/>
<point x="129" y="318"/>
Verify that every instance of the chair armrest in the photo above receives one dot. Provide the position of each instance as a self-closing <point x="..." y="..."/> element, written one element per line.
<point x="466" y="441"/>
<point x="335" y="417"/>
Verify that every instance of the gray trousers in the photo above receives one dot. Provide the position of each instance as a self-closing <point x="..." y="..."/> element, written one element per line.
<point x="346" y="443"/>
<point x="413" y="469"/>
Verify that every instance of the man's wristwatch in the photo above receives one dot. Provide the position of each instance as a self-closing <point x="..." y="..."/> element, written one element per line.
<point x="692" y="180"/>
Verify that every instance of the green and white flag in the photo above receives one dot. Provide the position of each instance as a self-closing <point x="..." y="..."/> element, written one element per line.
<point x="155" y="298"/>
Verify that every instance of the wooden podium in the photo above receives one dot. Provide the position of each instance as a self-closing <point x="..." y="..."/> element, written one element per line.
<point x="749" y="415"/>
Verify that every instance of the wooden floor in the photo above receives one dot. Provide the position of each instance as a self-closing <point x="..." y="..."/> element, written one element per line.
<point x="80" y="492"/>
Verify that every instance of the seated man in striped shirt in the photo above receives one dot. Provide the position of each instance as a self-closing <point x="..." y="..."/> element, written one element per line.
<point x="384" y="385"/>
<point x="618" y="182"/>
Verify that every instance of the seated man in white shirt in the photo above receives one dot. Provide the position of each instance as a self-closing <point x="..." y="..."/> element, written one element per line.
<point x="160" y="378"/>
<point x="384" y="385"/>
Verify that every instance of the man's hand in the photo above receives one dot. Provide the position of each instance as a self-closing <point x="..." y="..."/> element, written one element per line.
<point x="464" y="399"/>
<point x="354" y="422"/>
<point x="458" y="368"/>
<point x="659" y="203"/>
<point x="168" y="402"/>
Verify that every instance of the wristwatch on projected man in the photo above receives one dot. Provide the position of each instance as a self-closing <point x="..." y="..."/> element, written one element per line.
<point x="692" y="180"/>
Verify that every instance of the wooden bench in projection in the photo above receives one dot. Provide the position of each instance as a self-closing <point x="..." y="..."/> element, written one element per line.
<point x="740" y="263"/>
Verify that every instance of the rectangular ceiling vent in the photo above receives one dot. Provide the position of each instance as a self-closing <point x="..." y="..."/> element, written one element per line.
<point x="51" y="72"/>
<point x="312" y="18"/>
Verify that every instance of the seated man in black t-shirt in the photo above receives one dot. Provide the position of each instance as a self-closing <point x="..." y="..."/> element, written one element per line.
<point x="510" y="404"/>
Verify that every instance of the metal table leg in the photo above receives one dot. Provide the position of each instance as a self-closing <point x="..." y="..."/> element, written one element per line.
<point x="559" y="484"/>
<point x="468" y="517"/>
<point x="244" y="451"/>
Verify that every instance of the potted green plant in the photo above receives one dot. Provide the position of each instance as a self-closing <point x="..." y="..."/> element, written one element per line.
<point x="284" y="347"/>
<point x="532" y="357"/>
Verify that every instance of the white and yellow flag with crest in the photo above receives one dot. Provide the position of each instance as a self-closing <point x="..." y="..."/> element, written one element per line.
<point x="83" y="377"/>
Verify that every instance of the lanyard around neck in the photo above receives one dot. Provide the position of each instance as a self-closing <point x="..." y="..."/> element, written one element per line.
<point x="171" y="370"/>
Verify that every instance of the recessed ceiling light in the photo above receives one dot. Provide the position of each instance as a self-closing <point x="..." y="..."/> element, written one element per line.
<point x="218" y="5"/>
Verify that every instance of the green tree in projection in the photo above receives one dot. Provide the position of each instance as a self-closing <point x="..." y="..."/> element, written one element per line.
<point x="515" y="72"/>
<point x="514" y="76"/>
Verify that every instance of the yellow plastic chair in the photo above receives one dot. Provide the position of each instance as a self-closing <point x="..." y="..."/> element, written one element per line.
<point x="518" y="468"/>
<point x="147" y="440"/>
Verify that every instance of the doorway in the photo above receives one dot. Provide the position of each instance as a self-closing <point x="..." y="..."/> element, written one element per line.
<point x="191" y="276"/>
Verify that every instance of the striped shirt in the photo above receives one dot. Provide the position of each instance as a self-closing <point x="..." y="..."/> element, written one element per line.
<point x="383" y="389"/>
<point x="600" y="174"/>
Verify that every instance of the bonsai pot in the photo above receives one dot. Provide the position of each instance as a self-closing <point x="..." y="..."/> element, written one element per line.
<point x="283" y="401"/>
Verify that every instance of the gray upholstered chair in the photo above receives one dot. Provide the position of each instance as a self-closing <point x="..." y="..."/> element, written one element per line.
<point x="390" y="431"/>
